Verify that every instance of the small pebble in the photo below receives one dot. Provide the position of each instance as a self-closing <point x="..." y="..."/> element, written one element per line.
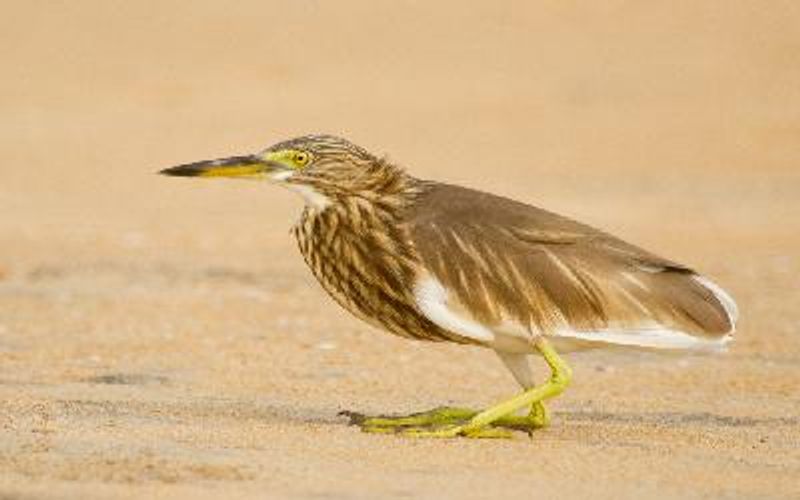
<point x="326" y="346"/>
<point x="134" y="239"/>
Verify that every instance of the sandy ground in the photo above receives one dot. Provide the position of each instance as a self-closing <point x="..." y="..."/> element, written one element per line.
<point x="161" y="337"/>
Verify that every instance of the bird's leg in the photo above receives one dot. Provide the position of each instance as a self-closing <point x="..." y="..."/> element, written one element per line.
<point x="446" y="416"/>
<point x="517" y="364"/>
<point x="477" y="425"/>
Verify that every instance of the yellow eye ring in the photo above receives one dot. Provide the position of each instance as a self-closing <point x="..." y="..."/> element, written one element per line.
<point x="301" y="158"/>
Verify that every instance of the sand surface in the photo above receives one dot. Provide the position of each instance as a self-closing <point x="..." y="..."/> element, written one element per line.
<point x="161" y="337"/>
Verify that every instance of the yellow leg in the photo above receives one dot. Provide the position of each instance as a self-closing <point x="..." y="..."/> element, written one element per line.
<point x="476" y="426"/>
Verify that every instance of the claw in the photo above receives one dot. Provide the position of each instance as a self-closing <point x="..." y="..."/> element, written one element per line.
<point x="448" y="422"/>
<point x="354" y="418"/>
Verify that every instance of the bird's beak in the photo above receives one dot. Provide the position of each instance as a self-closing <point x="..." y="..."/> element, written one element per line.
<point x="248" y="167"/>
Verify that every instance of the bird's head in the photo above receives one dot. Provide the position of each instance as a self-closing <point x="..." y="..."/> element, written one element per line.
<point x="320" y="167"/>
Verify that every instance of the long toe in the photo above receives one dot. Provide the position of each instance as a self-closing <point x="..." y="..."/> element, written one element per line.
<point x="434" y="418"/>
<point x="457" y="431"/>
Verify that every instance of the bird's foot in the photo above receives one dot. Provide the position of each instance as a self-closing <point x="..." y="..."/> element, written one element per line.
<point x="444" y="422"/>
<point x="437" y="417"/>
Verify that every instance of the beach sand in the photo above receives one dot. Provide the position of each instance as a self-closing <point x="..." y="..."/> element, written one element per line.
<point x="162" y="338"/>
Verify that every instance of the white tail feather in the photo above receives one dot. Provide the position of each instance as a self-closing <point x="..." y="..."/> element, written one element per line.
<point x="656" y="338"/>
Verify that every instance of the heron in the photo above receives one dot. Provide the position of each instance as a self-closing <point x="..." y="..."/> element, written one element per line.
<point x="437" y="262"/>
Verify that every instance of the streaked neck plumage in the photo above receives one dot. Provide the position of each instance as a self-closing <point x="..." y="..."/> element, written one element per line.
<point x="375" y="181"/>
<point x="358" y="246"/>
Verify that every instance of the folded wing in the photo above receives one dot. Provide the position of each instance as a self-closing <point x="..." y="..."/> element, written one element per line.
<point x="503" y="261"/>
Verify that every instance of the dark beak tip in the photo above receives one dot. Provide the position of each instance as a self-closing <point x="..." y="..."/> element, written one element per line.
<point x="200" y="167"/>
<point x="180" y="171"/>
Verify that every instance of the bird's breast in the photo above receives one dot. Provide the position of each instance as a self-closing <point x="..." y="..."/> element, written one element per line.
<point x="367" y="265"/>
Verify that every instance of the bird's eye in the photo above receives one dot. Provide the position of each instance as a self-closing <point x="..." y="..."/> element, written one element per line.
<point x="301" y="158"/>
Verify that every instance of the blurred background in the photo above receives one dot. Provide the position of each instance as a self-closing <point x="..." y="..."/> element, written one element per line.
<point x="675" y="125"/>
<point x="590" y="110"/>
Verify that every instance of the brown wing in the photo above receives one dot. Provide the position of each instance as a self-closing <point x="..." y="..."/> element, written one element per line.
<point x="507" y="260"/>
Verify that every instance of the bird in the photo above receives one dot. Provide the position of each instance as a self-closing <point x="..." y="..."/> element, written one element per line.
<point x="432" y="261"/>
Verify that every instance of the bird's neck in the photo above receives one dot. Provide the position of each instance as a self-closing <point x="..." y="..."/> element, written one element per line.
<point x="379" y="185"/>
<point x="369" y="207"/>
<point x="362" y="237"/>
